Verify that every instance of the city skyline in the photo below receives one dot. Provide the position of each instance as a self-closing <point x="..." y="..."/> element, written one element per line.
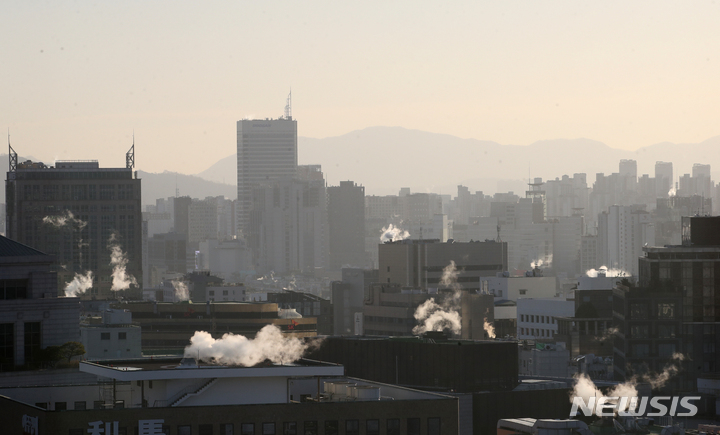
<point x="81" y="78"/>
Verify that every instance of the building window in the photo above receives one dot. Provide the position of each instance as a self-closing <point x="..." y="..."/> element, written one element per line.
<point x="638" y="311"/>
<point x="640" y="350"/>
<point x="227" y="429"/>
<point x="268" y="429"/>
<point x="352" y="427"/>
<point x="290" y="428"/>
<point x="393" y="426"/>
<point x="666" y="331"/>
<point x="523" y="291"/>
<point x="32" y="340"/>
<point x="372" y="427"/>
<point x="310" y="428"/>
<point x="666" y="350"/>
<point x="433" y="427"/>
<point x="185" y="429"/>
<point x="247" y="429"/>
<point x="666" y="311"/>
<point x="413" y="426"/>
<point x="205" y="429"/>
<point x="639" y="331"/>
<point x="122" y="335"/>
<point x="79" y="406"/>
<point x="7" y="344"/>
<point x="332" y="427"/>
<point x="225" y="292"/>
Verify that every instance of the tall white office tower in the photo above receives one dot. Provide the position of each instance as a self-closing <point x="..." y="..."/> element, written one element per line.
<point x="266" y="151"/>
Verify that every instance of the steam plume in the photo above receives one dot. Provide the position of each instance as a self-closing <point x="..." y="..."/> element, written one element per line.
<point x="121" y="279"/>
<point x="181" y="290"/>
<point x="269" y="343"/>
<point x="392" y="233"/>
<point x="545" y="261"/>
<point x="488" y="327"/>
<point x="67" y="218"/>
<point x="434" y="317"/>
<point x="79" y="285"/>
<point x="610" y="273"/>
<point x="584" y="387"/>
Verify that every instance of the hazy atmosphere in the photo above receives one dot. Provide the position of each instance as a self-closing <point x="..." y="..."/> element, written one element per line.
<point x="80" y="77"/>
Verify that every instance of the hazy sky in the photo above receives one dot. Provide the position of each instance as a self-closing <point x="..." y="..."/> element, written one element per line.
<point x="78" y="77"/>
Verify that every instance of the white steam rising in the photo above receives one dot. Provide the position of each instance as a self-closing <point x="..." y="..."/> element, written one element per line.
<point x="544" y="261"/>
<point x="121" y="279"/>
<point x="392" y="233"/>
<point x="181" y="290"/>
<point x="67" y="218"/>
<point x="487" y="326"/>
<point x="434" y="317"/>
<point x="269" y="343"/>
<point x="79" y="285"/>
<point x="584" y="387"/>
<point x="610" y="273"/>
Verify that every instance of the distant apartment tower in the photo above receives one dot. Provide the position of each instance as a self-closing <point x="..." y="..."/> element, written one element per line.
<point x="628" y="174"/>
<point x="266" y="151"/>
<point x="346" y="225"/>
<point x="286" y="231"/>
<point x="72" y="210"/>
<point x="622" y="233"/>
<point x="663" y="179"/>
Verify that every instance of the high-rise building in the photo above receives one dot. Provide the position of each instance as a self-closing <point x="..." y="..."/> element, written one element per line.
<point x="673" y="309"/>
<point x="287" y="230"/>
<point x="266" y="151"/>
<point x="622" y="233"/>
<point x="346" y="224"/>
<point x="78" y="211"/>
<point x="663" y="179"/>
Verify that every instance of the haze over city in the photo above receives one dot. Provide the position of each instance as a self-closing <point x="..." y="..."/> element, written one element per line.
<point x="81" y="77"/>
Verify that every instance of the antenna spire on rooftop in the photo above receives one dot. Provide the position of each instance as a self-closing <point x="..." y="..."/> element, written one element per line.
<point x="288" y="107"/>
<point x="130" y="155"/>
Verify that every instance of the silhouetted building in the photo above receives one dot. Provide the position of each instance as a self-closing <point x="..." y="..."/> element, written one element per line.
<point x="675" y="307"/>
<point x="75" y="211"/>
<point x="430" y="362"/>
<point x="348" y="299"/>
<point x="420" y="263"/>
<point x="32" y="317"/>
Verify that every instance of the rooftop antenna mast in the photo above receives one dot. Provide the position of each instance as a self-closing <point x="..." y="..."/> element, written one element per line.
<point x="12" y="160"/>
<point x="130" y="155"/>
<point x="288" y="107"/>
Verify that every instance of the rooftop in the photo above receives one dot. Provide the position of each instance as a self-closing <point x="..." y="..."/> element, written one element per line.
<point x="11" y="248"/>
<point x="187" y="368"/>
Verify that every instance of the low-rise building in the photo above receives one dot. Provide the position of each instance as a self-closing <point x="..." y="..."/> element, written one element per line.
<point x="537" y="318"/>
<point x="166" y="396"/>
<point x="32" y="316"/>
<point x="112" y="336"/>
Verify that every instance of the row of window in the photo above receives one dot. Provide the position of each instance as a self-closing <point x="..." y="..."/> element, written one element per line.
<point x="329" y="427"/>
<point x="536" y="332"/>
<point x="532" y="318"/>
<point x="106" y="336"/>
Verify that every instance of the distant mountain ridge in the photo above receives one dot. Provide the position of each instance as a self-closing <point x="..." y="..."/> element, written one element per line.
<point x="383" y="159"/>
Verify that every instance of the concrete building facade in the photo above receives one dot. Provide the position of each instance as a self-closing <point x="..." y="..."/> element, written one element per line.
<point x="266" y="151"/>
<point x="75" y="211"/>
